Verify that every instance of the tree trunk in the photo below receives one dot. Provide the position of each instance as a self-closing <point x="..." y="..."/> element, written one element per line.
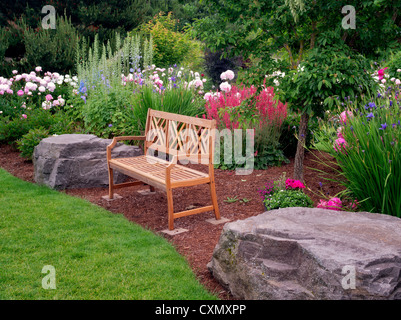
<point x="299" y="156"/>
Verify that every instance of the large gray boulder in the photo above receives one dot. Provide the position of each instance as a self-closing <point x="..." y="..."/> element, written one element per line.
<point x="77" y="161"/>
<point x="305" y="253"/>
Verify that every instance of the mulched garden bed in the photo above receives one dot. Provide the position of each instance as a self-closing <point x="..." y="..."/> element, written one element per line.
<point x="150" y="211"/>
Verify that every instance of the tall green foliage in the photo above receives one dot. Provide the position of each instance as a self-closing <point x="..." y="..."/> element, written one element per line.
<point x="367" y="151"/>
<point x="170" y="46"/>
<point x="52" y="49"/>
<point x="101" y="64"/>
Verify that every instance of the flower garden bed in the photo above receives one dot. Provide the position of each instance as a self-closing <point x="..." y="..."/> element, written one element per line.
<point x="150" y="211"/>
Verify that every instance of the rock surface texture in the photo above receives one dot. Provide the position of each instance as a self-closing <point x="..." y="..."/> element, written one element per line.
<point x="304" y="253"/>
<point x="77" y="161"/>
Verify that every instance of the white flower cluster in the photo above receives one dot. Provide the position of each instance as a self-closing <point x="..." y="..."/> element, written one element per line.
<point x="279" y="74"/>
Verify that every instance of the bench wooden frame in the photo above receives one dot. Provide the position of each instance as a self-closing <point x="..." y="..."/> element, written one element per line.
<point x="179" y="137"/>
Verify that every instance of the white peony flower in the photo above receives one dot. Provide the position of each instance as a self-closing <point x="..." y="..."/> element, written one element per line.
<point x="225" y="86"/>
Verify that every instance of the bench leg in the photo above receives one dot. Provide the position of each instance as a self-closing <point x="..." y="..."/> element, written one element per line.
<point x="170" y="208"/>
<point x="111" y="184"/>
<point x="214" y="200"/>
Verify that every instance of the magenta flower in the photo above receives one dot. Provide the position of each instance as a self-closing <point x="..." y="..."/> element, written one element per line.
<point x="340" y="144"/>
<point x="49" y="97"/>
<point x="381" y="73"/>
<point x="339" y="133"/>
<point x="344" y="116"/>
<point x="294" y="184"/>
<point x="20" y="93"/>
<point x="333" y="204"/>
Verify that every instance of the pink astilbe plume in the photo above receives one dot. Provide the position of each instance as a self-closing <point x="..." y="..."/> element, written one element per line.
<point x="267" y="109"/>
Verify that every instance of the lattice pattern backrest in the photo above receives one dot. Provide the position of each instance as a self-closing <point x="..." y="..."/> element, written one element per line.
<point x="178" y="135"/>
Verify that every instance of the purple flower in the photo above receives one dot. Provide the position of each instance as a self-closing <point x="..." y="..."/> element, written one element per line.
<point x="370" y="116"/>
<point x="384" y="126"/>
<point x="110" y="125"/>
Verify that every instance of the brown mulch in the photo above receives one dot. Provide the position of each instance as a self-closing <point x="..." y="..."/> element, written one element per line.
<point x="150" y="211"/>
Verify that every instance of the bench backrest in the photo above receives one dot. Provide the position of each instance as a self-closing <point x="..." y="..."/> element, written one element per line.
<point x="183" y="136"/>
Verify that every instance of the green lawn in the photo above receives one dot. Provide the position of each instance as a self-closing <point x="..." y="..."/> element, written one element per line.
<point x="96" y="254"/>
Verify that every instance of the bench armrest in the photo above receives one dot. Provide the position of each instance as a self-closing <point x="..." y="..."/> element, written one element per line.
<point x="116" y="139"/>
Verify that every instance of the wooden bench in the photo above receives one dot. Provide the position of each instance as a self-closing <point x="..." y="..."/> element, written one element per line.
<point x="180" y="138"/>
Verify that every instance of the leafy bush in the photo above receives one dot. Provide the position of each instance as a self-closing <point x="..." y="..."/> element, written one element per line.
<point x="4" y="44"/>
<point x="110" y="111"/>
<point x="15" y="129"/>
<point x="29" y="141"/>
<point x="52" y="49"/>
<point x="286" y="199"/>
<point x="393" y="64"/>
<point x="284" y="193"/>
<point x="169" y="46"/>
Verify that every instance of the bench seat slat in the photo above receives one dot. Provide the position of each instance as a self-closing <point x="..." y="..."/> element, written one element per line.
<point x="155" y="169"/>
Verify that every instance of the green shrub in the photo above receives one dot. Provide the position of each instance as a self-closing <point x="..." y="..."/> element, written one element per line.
<point x="169" y="46"/>
<point x="12" y="130"/>
<point x="288" y="198"/>
<point x="4" y="43"/>
<point x="52" y="49"/>
<point x="109" y="111"/>
<point x="284" y="193"/>
<point x="393" y="64"/>
<point x="29" y="141"/>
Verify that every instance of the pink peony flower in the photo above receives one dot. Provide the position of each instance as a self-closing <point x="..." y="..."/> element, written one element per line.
<point x="322" y="204"/>
<point x="49" y="97"/>
<point x="381" y="73"/>
<point x="340" y="144"/>
<point x="333" y="204"/>
<point x="208" y="96"/>
<point x="20" y="93"/>
<point x="339" y="133"/>
<point x="225" y="86"/>
<point x="344" y="116"/>
<point x="24" y="116"/>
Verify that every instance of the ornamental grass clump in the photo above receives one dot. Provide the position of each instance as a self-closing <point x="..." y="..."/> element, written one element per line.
<point x="284" y="193"/>
<point x="367" y="151"/>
